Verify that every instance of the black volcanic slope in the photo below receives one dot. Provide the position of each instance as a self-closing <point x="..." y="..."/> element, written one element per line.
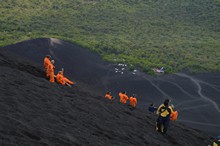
<point x="34" y="111"/>
<point x="196" y="97"/>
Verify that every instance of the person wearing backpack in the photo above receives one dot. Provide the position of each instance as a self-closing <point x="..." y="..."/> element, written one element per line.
<point x="217" y="141"/>
<point x="164" y="111"/>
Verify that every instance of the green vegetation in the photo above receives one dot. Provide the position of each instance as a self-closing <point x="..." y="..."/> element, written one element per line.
<point x="179" y="35"/>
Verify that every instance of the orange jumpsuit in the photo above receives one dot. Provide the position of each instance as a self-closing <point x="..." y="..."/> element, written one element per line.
<point x="174" y="116"/>
<point x="46" y="65"/>
<point x="123" y="98"/>
<point x="108" y="96"/>
<point x="63" y="80"/>
<point x="133" y="101"/>
<point x="59" y="78"/>
<point x="50" y="72"/>
<point x="66" y="80"/>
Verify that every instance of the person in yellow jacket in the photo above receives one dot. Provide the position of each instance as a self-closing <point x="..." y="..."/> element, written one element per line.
<point x="50" y="71"/>
<point x="123" y="97"/>
<point x="217" y="141"/>
<point x="164" y="111"/>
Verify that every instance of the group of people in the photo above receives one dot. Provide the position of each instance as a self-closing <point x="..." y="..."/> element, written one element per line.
<point x="124" y="98"/>
<point x="49" y="68"/>
<point x="165" y="112"/>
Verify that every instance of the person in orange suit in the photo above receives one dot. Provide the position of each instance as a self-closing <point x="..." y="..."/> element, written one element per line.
<point x="59" y="78"/>
<point x="174" y="115"/>
<point x="133" y="101"/>
<point x="50" y="71"/>
<point x="123" y="97"/>
<point x="47" y="63"/>
<point x="108" y="96"/>
<point x="63" y="80"/>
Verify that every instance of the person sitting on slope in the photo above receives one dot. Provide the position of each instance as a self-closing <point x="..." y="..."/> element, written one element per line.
<point x="108" y="95"/>
<point x="152" y="108"/>
<point x="60" y="78"/>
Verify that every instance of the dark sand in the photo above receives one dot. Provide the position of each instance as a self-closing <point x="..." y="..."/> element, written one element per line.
<point x="36" y="112"/>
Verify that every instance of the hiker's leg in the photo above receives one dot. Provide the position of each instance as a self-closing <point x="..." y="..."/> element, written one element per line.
<point x="166" y="124"/>
<point x="159" y="124"/>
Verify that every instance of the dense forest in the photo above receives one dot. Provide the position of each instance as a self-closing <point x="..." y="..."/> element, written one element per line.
<point x="178" y="35"/>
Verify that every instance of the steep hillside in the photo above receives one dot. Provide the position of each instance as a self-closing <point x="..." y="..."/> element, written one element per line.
<point x="179" y="35"/>
<point x="36" y="112"/>
<point x="196" y="97"/>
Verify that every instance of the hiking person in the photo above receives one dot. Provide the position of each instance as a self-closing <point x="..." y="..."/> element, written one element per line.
<point x="50" y="71"/>
<point x="164" y="111"/>
<point x="123" y="97"/>
<point x="133" y="101"/>
<point x="47" y="62"/>
<point x="108" y="95"/>
<point x="152" y="108"/>
<point x="217" y="141"/>
<point x="60" y="78"/>
<point x="174" y="115"/>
